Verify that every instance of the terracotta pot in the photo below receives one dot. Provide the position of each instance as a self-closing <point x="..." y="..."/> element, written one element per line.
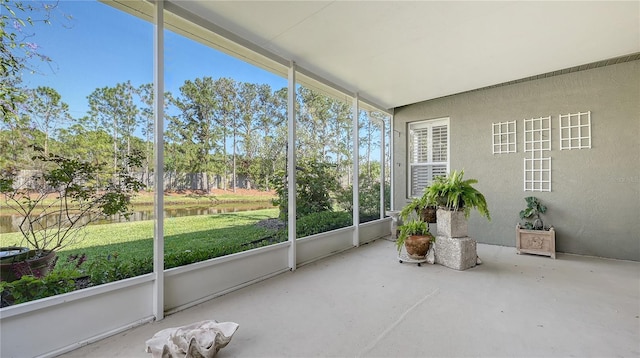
<point x="31" y="265"/>
<point x="417" y="246"/>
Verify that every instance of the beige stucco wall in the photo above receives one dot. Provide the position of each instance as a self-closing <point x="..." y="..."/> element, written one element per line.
<point x="595" y="199"/>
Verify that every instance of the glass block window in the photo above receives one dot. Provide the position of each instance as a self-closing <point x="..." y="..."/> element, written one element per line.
<point x="537" y="134"/>
<point x="537" y="174"/>
<point x="575" y="130"/>
<point x="504" y="137"/>
<point x="428" y="151"/>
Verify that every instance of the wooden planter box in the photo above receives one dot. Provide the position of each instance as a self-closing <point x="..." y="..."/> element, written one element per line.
<point x="538" y="242"/>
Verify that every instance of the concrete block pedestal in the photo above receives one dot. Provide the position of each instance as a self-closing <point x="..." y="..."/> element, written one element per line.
<point x="454" y="248"/>
<point x="452" y="223"/>
<point x="456" y="253"/>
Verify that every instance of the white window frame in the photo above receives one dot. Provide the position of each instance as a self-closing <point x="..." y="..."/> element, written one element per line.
<point x="430" y="123"/>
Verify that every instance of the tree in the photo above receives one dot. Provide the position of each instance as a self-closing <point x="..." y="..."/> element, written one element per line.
<point x="114" y="108"/>
<point x="313" y="121"/>
<point x="15" y="136"/>
<point x="16" y="50"/>
<point x="340" y="143"/>
<point x="271" y="120"/>
<point x="225" y="117"/>
<point x="368" y="140"/>
<point x="46" y="111"/>
<point x="91" y="145"/>
<point x="18" y="54"/>
<point x="250" y="107"/>
<point x="129" y="112"/>
<point x="193" y="130"/>
<point x="145" y="92"/>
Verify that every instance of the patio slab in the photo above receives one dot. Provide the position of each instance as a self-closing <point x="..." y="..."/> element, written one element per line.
<point x="364" y="303"/>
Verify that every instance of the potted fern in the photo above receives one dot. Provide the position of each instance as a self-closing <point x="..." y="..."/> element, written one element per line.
<point x="456" y="197"/>
<point x="415" y="238"/>
<point x="424" y="207"/>
<point x="532" y="236"/>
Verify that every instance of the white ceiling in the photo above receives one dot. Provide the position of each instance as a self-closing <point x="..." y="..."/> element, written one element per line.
<point x="395" y="53"/>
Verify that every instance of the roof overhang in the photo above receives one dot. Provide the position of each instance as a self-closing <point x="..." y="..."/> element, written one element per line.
<point x="394" y="53"/>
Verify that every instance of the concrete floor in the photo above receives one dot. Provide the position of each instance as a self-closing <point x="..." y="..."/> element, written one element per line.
<point x="364" y="303"/>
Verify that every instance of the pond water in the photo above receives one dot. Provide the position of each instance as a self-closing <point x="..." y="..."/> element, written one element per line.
<point x="9" y="223"/>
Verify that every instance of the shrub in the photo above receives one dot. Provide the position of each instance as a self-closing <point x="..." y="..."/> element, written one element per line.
<point x="196" y="255"/>
<point x="315" y="183"/>
<point x="109" y="268"/>
<point x="369" y="199"/>
<point x="29" y="287"/>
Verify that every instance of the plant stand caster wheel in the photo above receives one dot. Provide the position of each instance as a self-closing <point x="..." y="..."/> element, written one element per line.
<point x="403" y="257"/>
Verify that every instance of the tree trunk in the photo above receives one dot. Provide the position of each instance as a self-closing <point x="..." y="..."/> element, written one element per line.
<point x="369" y="151"/>
<point x="224" y="159"/>
<point x="234" y="159"/>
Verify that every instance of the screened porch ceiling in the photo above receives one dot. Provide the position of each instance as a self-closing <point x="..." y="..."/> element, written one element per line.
<point x="395" y="53"/>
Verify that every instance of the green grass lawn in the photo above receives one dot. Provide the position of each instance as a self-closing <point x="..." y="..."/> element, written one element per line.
<point x="222" y="233"/>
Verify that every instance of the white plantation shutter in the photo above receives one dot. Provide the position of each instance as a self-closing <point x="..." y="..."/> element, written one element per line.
<point x="439" y="147"/>
<point x="428" y="153"/>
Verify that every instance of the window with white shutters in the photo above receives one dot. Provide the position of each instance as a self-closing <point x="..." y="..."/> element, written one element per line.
<point x="428" y="153"/>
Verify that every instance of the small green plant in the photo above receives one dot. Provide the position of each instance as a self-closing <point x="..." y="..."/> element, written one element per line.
<point x="532" y="214"/>
<point x="454" y="193"/>
<point x="413" y="228"/>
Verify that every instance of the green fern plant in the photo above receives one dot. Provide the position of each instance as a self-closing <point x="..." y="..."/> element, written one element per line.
<point x="455" y="193"/>
<point x="416" y="206"/>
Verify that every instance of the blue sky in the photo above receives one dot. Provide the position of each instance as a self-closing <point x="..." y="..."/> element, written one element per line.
<point x="102" y="46"/>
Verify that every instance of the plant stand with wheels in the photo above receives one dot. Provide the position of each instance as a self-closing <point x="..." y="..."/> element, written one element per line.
<point x="404" y="257"/>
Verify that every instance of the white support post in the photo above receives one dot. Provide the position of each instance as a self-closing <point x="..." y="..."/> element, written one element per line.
<point x="391" y="162"/>
<point x="356" y="173"/>
<point x="382" y="169"/>
<point x="158" y="149"/>
<point x="291" y="165"/>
